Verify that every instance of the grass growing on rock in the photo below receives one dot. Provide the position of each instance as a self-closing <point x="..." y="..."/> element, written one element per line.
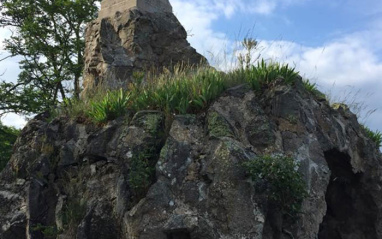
<point x="375" y="136"/>
<point x="184" y="91"/>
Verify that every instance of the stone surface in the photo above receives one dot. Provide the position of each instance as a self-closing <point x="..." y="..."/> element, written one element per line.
<point x="134" y="41"/>
<point x="88" y="181"/>
<point x="110" y="7"/>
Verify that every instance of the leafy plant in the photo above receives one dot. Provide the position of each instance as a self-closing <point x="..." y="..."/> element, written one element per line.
<point x="283" y="184"/>
<point x="309" y="86"/>
<point x="375" y="136"/>
<point x="47" y="231"/>
<point x="49" y="37"/>
<point x="113" y="105"/>
<point x="140" y="173"/>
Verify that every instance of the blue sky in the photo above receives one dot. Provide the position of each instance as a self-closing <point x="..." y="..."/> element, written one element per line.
<point x="335" y="43"/>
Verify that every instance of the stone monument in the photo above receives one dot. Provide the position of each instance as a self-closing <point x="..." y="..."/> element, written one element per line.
<point x="110" y="7"/>
<point x="131" y="36"/>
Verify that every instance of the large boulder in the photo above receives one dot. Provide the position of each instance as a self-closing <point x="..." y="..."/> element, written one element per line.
<point x="132" y="178"/>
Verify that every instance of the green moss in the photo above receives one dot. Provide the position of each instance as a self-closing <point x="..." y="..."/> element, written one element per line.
<point x="218" y="126"/>
<point x="337" y="106"/>
<point x="151" y="121"/>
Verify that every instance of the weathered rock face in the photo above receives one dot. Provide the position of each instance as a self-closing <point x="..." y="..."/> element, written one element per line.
<point x="133" y="41"/>
<point x="110" y="7"/>
<point x="93" y="182"/>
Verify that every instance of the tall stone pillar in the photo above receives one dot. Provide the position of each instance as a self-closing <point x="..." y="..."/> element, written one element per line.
<point x="134" y="35"/>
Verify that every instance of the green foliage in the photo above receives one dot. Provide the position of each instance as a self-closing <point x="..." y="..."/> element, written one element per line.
<point x="73" y="212"/>
<point x="309" y="86"/>
<point x="312" y="88"/>
<point x="264" y="74"/>
<point x="47" y="231"/>
<point x="284" y="185"/>
<point x="113" y="105"/>
<point x="180" y="93"/>
<point x="375" y="136"/>
<point x="49" y="36"/>
<point x="140" y="173"/>
<point x="8" y="136"/>
<point x="184" y="91"/>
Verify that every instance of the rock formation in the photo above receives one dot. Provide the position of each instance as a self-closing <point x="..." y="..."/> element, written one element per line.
<point x="148" y="177"/>
<point x="88" y="182"/>
<point x="143" y="35"/>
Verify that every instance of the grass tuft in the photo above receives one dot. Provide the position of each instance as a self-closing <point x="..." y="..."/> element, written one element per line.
<point x="375" y="136"/>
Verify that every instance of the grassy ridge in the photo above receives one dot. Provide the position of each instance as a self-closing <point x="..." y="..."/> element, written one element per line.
<point x="181" y="92"/>
<point x="184" y="91"/>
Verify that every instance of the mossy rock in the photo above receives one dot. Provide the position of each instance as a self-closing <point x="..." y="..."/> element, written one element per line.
<point x="151" y="121"/>
<point x="218" y="126"/>
<point x="338" y="106"/>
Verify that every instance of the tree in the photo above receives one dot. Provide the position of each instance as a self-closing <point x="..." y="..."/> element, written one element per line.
<point x="8" y="136"/>
<point x="49" y="35"/>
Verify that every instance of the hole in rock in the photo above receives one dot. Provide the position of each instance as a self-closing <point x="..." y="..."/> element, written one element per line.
<point x="178" y="234"/>
<point x="351" y="212"/>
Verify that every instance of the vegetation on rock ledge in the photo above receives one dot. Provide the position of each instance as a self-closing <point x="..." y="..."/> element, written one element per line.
<point x="181" y="92"/>
<point x="277" y="176"/>
<point x="8" y="136"/>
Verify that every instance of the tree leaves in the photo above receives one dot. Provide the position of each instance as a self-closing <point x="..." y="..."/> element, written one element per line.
<point x="49" y="35"/>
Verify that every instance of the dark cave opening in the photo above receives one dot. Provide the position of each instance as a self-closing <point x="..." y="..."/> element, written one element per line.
<point x="178" y="234"/>
<point x="351" y="213"/>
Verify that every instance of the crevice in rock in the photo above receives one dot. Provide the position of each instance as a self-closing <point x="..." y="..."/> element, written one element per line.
<point x="178" y="234"/>
<point x="351" y="212"/>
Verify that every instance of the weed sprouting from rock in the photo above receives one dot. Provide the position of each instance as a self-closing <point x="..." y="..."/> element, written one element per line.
<point x="278" y="177"/>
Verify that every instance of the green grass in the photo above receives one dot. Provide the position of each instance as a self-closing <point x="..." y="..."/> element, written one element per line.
<point x="113" y="105"/>
<point x="375" y="136"/>
<point x="8" y="136"/>
<point x="184" y="91"/>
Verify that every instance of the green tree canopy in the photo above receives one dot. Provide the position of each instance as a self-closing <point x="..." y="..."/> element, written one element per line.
<point x="49" y="35"/>
<point x="8" y="136"/>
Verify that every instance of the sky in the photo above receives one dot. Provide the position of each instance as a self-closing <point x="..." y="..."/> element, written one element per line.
<point x="336" y="44"/>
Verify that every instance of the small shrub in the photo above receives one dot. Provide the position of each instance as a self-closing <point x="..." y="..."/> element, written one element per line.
<point x="375" y="136"/>
<point x="140" y="173"/>
<point x="113" y="105"/>
<point x="283" y="184"/>
<point x="47" y="231"/>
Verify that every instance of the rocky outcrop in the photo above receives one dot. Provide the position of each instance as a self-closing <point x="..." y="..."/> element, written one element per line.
<point x="132" y="178"/>
<point x="134" y="41"/>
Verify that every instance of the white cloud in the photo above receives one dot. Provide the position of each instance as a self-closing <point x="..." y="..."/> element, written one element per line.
<point x="352" y="59"/>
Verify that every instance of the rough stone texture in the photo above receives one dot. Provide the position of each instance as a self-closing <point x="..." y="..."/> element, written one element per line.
<point x="110" y="7"/>
<point x="199" y="188"/>
<point x="133" y="41"/>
